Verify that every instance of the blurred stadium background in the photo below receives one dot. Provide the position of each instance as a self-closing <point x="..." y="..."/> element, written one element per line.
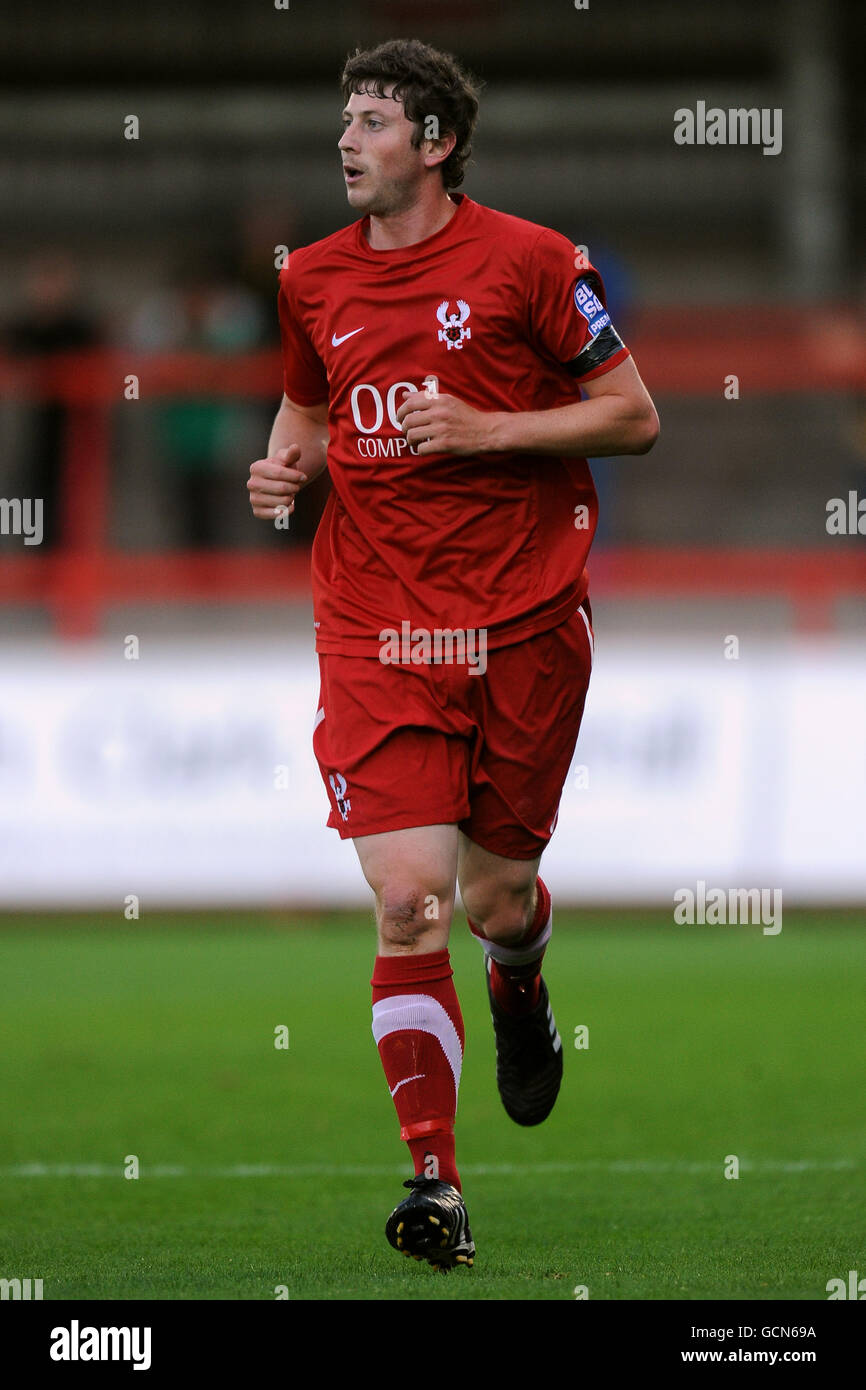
<point x="186" y="775"/>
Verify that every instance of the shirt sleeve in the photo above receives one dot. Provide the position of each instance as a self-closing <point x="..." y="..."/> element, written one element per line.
<point x="567" y="310"/>
<point x="305" y="378"/>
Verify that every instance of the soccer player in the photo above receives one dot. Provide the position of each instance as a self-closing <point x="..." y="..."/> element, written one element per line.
<point x="452" y="366"/>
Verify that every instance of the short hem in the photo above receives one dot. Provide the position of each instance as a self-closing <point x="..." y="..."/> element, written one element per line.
<point x="492" y="849"/>
<point x="397" y="822"/>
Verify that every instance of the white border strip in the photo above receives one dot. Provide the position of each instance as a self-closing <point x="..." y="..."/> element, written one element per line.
<point x="589" y="635"/>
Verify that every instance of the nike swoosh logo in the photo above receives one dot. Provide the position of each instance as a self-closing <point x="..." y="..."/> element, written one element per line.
<point x="335" y="341"/>
<point x="406" y="1079"/>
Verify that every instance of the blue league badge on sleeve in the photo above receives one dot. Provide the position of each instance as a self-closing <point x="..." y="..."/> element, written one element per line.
<point x="602" y="342"/>
<point x="587" y="302"/>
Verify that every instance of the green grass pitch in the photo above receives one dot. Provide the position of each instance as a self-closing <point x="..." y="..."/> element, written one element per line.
<point x="263" y="1167"/>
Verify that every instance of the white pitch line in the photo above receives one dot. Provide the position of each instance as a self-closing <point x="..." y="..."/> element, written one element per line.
<point x="477" y="1170"/>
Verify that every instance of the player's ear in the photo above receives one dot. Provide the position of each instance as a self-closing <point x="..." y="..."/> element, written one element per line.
<point x="438" y="149"/>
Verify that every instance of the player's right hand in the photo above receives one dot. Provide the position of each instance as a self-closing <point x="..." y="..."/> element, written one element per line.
<point x="273" y="483"/>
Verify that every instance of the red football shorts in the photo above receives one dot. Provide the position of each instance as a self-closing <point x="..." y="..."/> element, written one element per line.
<point x="427" y="744"/>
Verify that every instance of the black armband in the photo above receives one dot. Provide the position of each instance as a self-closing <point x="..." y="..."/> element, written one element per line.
<point x="606" y="344"/>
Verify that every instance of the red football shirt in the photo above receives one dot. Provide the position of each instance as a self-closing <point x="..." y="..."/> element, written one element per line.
<point x="497" y="310"/>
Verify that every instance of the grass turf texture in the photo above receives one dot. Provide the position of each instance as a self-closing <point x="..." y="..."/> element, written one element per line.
<point x="157" y="1039"/>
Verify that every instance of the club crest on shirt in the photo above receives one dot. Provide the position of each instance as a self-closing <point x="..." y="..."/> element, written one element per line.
<point x="453" y="332"/>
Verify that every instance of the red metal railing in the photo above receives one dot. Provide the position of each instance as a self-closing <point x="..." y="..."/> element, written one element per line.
<point x="774" y="350"/>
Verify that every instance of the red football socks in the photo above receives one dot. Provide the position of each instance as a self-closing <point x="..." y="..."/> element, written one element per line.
<point x="515" y="971"/>
<point x="418" y="1028"/>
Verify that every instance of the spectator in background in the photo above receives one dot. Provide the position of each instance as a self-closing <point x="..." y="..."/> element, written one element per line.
<point x="201" y="438"/>
<point x="264" y="226"/>
<point x="261" y="229"/>
<point x="53" y="318"/>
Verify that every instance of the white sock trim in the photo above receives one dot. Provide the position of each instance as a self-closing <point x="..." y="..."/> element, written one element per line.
<point x="424" y="1014"/>
<point x="519" y="955"/>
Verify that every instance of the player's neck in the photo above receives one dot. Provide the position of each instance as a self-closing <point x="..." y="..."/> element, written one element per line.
<point x="424" y="219"/>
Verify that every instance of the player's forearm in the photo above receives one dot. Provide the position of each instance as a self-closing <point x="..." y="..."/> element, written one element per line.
<point x="592" y="428"/>
<point x="311" y="437"/>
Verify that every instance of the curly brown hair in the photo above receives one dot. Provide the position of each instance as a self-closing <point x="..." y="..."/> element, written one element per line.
<point x="429" y="83"/>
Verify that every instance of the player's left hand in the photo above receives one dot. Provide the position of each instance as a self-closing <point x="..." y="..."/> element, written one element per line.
<point x="443" y="425"/>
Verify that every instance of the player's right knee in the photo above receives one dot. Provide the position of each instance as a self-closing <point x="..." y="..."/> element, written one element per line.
<point x="406" y="918"/>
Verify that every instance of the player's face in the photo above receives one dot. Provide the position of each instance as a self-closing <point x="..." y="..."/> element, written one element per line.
<point x="382" y="170"/>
